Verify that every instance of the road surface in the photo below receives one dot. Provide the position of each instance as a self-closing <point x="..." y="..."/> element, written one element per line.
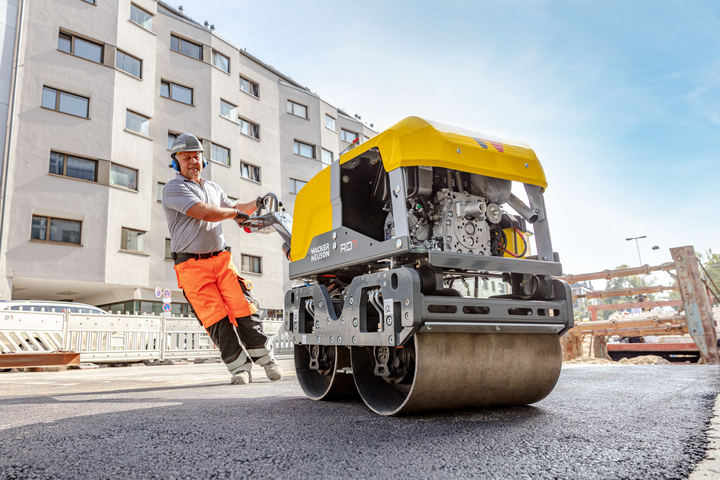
<point x="186" y="421"/>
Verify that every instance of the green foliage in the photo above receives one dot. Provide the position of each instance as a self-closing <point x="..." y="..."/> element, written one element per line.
<point x="711" y="262"/>
<point x="619" y="283"/>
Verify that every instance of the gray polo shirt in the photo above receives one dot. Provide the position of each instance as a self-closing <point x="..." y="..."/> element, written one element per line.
<point x="188" y="234"/>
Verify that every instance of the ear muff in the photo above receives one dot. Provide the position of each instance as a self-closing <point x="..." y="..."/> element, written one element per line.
<point x="174" y="164"/>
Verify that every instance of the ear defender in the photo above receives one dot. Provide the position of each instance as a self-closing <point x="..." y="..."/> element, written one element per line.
<point x="174" y="164"/>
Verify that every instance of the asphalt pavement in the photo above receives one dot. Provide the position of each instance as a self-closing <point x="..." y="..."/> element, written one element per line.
<point x="604" y="422"/>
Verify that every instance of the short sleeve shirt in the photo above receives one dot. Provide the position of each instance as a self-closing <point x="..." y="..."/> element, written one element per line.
<point x="188" y="234"/>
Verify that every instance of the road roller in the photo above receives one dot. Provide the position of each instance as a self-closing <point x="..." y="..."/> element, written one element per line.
<point x="390" y="246"/>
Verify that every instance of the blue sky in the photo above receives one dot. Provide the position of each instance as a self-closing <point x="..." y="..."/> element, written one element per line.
<point x="620" y="100"/>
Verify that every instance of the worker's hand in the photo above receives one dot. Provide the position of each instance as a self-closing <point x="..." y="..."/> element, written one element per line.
<point x="260" y="202"/>
<point x="241" y="217"/>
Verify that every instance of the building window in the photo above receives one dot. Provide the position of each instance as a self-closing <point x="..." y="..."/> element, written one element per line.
<point x="171" y="139"/>
<point x="48" y="229"/>
<point x="132" y="240"/>
<point x="251" y="264"/>
<point x="304" y="149"/>
<point x="168" y="250"/>
<point x="176" y="92"/>
<point x="296" y="185"/>
<point x="220" y="154"/>
<point x="221" y="61"/>
<point x="186" y="47"/>
<point x="228" y="110"/>
<point x="80" y="47"/>
<point x="123" y="177"/>
<point x="327" y="156"/>
<point x="137" y="123"/>
<point x="251" y="172"/>
<point x="65" y="102"/>
<point x="141" y="17"/>
<point x="91" y="2"/>
<point x="296" y="109"/>
<point x="348" y="136"/>
<point x="330" y="122"/>
<point x="365" y="138"/>
<point x="248" y="86"/>
<point x="160" y="187"/>
<point x="75" y="167"/>
<point x="250" y="129"/>
<point x="129" y="64"/>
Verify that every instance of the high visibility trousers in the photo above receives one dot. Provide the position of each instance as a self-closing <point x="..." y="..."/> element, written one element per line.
<point x="222" y="302"/>
<point x="215" y="289"/>
<point x="230" y="340"/>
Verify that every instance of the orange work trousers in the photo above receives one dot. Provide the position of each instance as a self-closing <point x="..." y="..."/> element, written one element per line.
<point x="212" y="286"/>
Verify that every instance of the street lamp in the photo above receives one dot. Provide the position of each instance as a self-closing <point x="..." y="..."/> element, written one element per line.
<point x="637" y="245"/>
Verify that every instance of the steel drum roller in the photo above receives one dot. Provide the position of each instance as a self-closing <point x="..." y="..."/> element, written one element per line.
<point x="455" y="371"/>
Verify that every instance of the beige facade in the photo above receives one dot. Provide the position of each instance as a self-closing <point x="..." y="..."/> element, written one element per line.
<point x="118" y="259"/>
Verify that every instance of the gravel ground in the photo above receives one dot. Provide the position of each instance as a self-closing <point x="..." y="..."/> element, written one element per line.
<point x="601" y="421"/>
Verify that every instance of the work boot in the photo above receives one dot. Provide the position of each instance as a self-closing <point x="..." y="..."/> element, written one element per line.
<point x="241" y="378"/>
<point x="273" y="371"/>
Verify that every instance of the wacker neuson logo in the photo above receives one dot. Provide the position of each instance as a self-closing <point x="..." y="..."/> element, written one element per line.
<point x="319" y="252"/>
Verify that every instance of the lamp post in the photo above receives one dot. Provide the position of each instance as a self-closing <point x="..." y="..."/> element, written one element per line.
<point x="637" y="245"/>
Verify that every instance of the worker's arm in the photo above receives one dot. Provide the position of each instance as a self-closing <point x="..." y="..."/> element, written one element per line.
<point x="211" y="213"/>
<point x="248" y="208"/>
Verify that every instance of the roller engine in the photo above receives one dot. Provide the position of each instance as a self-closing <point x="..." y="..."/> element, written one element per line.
<point x="389" y="247"/>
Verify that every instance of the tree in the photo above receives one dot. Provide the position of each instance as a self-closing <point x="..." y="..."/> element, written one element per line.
<point x="711" y="262"/>
<point x="618" y="283"/>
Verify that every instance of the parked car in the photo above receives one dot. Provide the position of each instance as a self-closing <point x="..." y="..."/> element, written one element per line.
<point x="50" y="306"/>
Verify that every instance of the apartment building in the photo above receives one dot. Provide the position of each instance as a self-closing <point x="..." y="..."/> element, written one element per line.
<point x="101" y="89"/>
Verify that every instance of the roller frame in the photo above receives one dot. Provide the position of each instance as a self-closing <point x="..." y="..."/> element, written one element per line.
<point x="366" y="250"/>
<point x="407" y="309"/>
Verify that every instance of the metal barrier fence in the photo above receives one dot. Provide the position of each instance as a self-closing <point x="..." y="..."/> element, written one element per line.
<point x="116" y="338"/>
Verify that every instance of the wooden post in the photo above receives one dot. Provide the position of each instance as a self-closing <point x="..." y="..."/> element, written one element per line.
<point x="697" y="307"/>
<point x="599" y="347"/>
<point x="569" y="343"/>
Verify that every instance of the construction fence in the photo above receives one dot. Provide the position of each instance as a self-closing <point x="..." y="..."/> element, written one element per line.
<point x="110" y="338"/>
<point x="693" y="319"/>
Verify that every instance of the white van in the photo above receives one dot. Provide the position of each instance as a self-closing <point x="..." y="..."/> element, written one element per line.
<point x="49" y="306"/>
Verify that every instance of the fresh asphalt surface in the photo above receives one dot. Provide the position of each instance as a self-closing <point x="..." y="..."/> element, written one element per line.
<point x="603" y="422"/>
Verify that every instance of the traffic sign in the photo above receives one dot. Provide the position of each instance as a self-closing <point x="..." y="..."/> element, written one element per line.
<point x="167" y="307"/>
<point x="158" y="292"/>
<point x="167" y="293"/>
<point x="167" y="300"/>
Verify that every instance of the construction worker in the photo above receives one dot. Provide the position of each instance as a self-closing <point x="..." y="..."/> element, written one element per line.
<point x="220" y="298"/>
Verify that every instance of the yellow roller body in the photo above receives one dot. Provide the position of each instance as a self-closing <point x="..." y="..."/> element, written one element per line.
<point x="312" y="214"/>
<point x="458" y="371"/>
<point x="417" y="142"/>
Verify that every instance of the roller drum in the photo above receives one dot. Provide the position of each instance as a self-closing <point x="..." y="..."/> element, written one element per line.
<point x="455" y="371"/>
<point x="327" y="384"/>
